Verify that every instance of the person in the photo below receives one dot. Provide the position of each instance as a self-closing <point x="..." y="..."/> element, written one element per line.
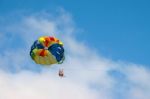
<point x="61" y="73"/>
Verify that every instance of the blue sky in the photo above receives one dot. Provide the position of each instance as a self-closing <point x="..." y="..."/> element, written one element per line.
<point x="106" y="47"/>
<point x="117" y="29"/>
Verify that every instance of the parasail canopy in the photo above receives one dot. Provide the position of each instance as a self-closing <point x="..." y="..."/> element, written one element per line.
<point x="47" y="50"/>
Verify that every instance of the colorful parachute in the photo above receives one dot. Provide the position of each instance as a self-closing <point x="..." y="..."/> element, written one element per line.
<point x="47" y="50"/>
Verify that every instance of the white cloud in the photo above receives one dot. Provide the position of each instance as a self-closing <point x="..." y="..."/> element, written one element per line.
<point x="44" y="85"/>
<point x="87" y="74"/>
<point x="139" y="78"/>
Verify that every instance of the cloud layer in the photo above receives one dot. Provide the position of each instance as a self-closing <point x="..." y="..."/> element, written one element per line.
<point x="88" y="75"/>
